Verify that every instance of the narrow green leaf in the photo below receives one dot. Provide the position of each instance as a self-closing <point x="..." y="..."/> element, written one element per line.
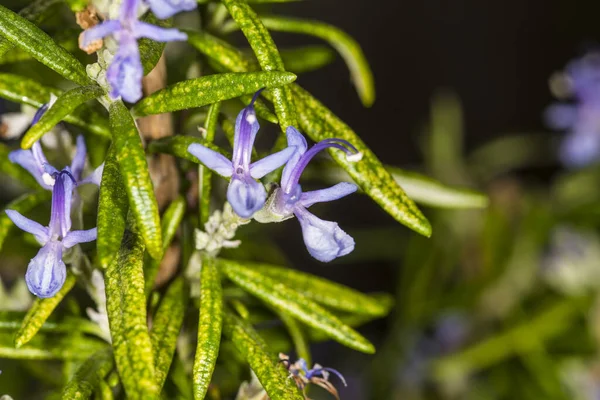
<point x="320" y="123"/>
<point x="42" y="47"/>
<point x="112" y="210"/>
<point x="205" y="174"/>
<point x="287" y="300"/>
<point x="297" y="335"/>
<point x="165" y="328"/>
<point x="171" y="220"/>
<point x="40" y="311"/>
<point x="126" y="306"/>
<point x="222" y="52"/>
<point x="328" y="293"/>
<point x="134" y="170"/>
<point x="307" y="58"/>
<point x="65" y="104"/>
<point x="88" y="375"/>
<point x="207" y="90"/>
<point x="267" y="55"/>
<point x="209" y="327"/>
<point x="348" y="48"/>
<point x="430" y="192"/>
<point x="178" y="146"/>
<point x="26" y="91"/>
<point x="150" y="50"/>
<point x="23" y="204"/>
<point x="51" y="347"/>
<point x="15" y="171"/>
<point x="12" y="321"/>
<point x="34" y="12"/>
<point x="270" y="373"/>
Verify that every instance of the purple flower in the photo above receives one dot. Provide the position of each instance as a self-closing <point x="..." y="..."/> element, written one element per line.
<point x="46" y="272"/>
<point x="317" y="375"/>
<point x="167" y="8"/>
<point x="35" y="162"/>
<point x="245" y="194"/>
<point x="125" y="71"/>
<point x="325" y="240"/>
<point x="582" y="120"/>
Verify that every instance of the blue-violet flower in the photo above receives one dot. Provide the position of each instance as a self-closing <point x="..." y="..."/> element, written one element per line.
<point x="582" y="120"/>
<point x="317" y="375"/>
<point x="125" y="71"/>
<point x="46" y="272"/>
<point x="245" y="194"/>
<point x="167" y="8"/>
<point x="325" y="240"/>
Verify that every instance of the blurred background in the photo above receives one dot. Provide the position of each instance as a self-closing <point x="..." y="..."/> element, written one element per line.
<point x="502" y="301"/>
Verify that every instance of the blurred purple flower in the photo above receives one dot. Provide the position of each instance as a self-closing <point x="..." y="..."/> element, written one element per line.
<point x="582" y="119"/>
<point x="245" y="194"/>
<point x="317" y="375"/>
<point x="325" y="240"/>
<point x="167" y="8"/>
<point x="125" y="71"/>
<point x="46" y="272"/>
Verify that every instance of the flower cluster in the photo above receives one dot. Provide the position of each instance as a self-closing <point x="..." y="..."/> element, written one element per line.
<point x="46" y="272"/>
<point x="325" y="240"/>
<point x="125" y="71"/>
<point x="580" y="80"/>
<point x="317" y="375"/>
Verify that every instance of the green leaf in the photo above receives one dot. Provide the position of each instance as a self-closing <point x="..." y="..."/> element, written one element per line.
<point x="267" y="55"/>
<point x="178" y="146"/>
<point x="320" y="123"/>
<point x="205" y="174"/>
<point x="50" y="347"/>
<point x="209" y="327"/>
<point x="112" y="210"/>
<point x="328" y="293"/>
<point x="307" y="58"/>
<point x="150" y="50"/>
<point x="40" y="311"/>
<point x="430" y="192"/>
<point x="42" y="47"/>
<point x="65" y="104"/>
<point x="166" y="326"/>
<point x="289" y="301"/>
<point x="297" y="335"/>
<point x="207" y="90"/>
<point x="126" y="307"/>
<point x="134" y="170"/>
<point x="88" y="375"/>
<point x="222" y="52"/>
<point x="12" y="321"/>
<point x="348" y="48"/>
<point x="171" y="220"/>
<point x="26" y="91"/>
<point x="270" y="373"/>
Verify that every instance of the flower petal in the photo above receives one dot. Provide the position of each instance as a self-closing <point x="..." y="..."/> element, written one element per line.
<point x="271" y="162"/>
<point x="164" y="8"/>
<point x="156" y="33"/>
<point x="46" y="272"/>
<point x="580" y="149"/>
<point x="560" y="116"/>
<point x="76" y="237"/>
<point x="60" y="213"/>
<point x="246" y="128"/>
<point x="33" y="161"/>
<point x="335" y="192"/>
<point x="211" y="159"/>
<point x="246" y="196"/>
<point x="125" y="72"/>
<point x="95" y="177"/>
<point x="36" y="229"/>
<point x="79" y="158"/>
<point x="99" y="31"/>
<point x="294" y="138"/>
<point x="324" y="240"/>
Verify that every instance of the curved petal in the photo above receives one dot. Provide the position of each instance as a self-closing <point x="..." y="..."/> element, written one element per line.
<point x="36" y="229"/>
<point x="34" y="161"/>
<point x="165" y="8"/>
<point x="271" y="162"/>
<point x="335" y="192"/>
<point x="246" y="196"/>
<point x="95" y="177"/>
<point x="211" y="159"/>
<point x="246" y="128"/>
<point x="60" y="213"/>
<point x="294" y="138"/>
<point x="125" y="72"/>
<point x="99" y="31"/>
<point x="46" y="272"/>
<point x="79" y="159"/>
<point x="75" y="237"/>
<point x="156" y="33"/>
<point x="324" y="240"/>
